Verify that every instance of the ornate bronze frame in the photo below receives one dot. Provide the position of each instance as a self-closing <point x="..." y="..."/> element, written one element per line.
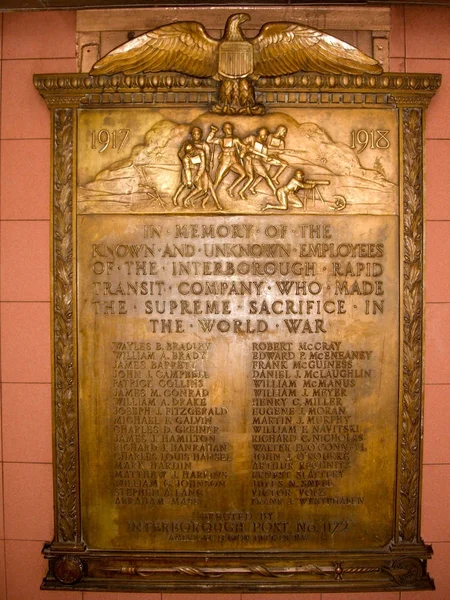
<point x="74" y="566"/>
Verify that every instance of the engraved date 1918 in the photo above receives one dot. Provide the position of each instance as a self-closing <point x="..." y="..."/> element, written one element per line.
<point x="373" y="139"/>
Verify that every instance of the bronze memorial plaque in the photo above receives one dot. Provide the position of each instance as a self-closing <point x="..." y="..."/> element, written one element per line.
<point x="237" y="312"/>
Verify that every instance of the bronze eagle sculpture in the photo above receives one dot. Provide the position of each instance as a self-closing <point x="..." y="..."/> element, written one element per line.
<point x="279" y="49"/>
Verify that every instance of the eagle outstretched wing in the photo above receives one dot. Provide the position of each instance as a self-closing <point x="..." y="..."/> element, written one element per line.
<point x="182" y="47"/>
<point x="283" y="48"/>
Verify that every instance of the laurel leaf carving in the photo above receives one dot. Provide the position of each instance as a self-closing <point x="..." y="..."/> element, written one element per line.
<point x="64" y="403"/>
<point x="412" y="325"/>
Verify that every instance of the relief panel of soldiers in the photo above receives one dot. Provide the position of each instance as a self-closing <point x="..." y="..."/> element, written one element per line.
<point x="254" y="160"/>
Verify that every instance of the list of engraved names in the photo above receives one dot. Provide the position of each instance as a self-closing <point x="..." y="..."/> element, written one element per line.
<point x="237" y="393"/>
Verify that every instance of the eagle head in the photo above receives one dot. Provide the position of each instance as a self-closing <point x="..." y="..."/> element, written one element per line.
<point x="233" y="30"/>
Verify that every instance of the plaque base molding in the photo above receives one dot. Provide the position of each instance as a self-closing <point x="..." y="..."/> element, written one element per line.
<point x="400" y="569"/>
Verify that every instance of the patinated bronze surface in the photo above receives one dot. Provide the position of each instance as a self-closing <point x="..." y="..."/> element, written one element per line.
<point x="279" y="49"/>
<point x="237" y="332"/>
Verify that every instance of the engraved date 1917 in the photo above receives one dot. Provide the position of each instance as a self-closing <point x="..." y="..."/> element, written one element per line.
<point x="102" y="139"/>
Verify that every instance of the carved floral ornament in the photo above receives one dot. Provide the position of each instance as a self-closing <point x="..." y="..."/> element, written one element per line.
<point x="286" y="66"/>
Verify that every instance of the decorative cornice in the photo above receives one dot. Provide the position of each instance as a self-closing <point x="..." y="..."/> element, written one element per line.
<point x="81" y="89"/>
<point x="410" y="100"/>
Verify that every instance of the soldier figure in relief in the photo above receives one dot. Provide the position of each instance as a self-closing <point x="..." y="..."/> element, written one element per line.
<point x="185" y="154"/>
<point x="197" y="141"/>
<point x="275" y="147"/>
<point x="195" y="177"/>
<point x="230" y="159"/>
<point x="287" y="194"/>
<point x="255" y="160"/>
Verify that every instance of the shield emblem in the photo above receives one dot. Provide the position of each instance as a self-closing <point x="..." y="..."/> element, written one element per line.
<point x="235" y="59"/>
